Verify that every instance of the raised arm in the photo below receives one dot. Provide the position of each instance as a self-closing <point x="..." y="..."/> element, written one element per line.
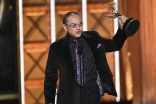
<point x="118" y="40"/>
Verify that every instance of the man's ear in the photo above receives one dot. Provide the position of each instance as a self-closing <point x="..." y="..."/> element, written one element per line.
<point x="65" y="27"/>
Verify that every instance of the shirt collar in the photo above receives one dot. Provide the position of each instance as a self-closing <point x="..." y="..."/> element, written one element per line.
<point x="71" y="39"/>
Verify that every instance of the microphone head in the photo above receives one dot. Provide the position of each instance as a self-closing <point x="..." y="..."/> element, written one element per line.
<point x="80" y="42"/>
<point x="80" y="48"/>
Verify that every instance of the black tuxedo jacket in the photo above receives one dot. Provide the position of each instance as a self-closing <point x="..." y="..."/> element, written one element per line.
<point x="59" y="58"/>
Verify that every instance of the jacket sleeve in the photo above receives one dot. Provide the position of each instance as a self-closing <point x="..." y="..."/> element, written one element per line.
<point x="51" y="72"/>
<point x="116" y="43"/>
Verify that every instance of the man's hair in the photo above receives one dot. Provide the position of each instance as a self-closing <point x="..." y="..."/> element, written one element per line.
<point x="67" y="15"/>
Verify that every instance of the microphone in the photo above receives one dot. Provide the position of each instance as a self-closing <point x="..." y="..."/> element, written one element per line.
<point x="80" y="48"/>
<point x="80" y="42"/>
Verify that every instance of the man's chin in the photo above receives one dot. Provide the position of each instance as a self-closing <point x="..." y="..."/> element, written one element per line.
<point x="78" y="35"/>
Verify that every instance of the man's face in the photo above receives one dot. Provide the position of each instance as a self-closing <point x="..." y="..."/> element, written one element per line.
<point x="74" y="26"/>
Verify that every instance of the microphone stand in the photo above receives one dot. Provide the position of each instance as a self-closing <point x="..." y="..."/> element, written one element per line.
<point x="82" y="88"/>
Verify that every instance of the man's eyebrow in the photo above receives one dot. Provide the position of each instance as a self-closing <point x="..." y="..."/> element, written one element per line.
<point x="79" y="22"/>
<point x="74" y="23"/>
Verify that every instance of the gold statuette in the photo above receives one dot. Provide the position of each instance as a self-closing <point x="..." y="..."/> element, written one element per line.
<point x="113" y="8"/>
<point x="130" y="26"/>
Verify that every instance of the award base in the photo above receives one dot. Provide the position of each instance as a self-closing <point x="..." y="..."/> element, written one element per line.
<point x="131" y="26"/>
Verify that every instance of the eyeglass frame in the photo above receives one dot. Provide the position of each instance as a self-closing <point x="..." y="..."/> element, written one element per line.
<point x="79" y="24"/>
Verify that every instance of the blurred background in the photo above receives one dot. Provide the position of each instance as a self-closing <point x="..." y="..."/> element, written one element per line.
<point x="27" y="29"/>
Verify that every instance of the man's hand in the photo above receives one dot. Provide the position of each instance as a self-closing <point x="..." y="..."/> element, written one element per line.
<point x="50" y="103"/>
<point x="122" y="19"/>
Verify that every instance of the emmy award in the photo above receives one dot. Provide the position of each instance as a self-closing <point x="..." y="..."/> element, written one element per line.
<point x="130" y="26"/>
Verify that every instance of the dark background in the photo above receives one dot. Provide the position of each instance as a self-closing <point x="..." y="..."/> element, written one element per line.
<point x="15" y="101"/>
<point x="8" y="49"/>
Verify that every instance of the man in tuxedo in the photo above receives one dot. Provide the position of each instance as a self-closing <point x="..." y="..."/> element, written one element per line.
<point x="81" y="61"/>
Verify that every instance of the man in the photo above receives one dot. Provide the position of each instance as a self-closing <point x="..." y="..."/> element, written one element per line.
<point x="81" y="61"/>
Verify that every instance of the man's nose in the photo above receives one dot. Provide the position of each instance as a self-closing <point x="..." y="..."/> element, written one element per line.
<point x="77" y="26"/>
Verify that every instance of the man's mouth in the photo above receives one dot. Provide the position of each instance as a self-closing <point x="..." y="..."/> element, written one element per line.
<point x="78" y="32"/>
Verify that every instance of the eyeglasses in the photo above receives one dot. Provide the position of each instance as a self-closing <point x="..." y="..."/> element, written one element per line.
<point x="74" y="25"/>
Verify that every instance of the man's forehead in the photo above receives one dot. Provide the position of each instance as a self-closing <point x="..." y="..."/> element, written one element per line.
<point x="74" y="18"/>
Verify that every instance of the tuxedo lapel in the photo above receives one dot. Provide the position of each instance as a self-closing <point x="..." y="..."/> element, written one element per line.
<point x="66" y="54"/>
<point x="92" y="44"/>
